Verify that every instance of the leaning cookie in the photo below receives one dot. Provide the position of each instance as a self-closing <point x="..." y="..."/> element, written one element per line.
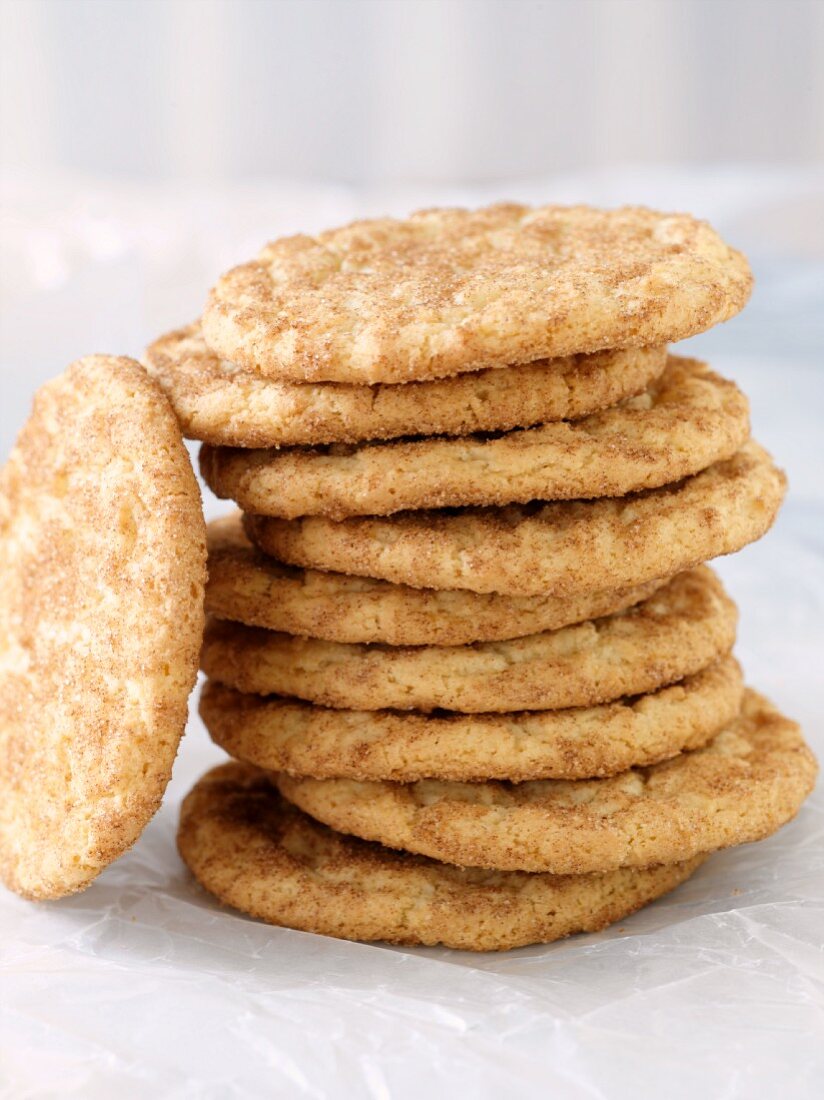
<point x="102" y="568"/>
<point x="250" y="587"/>
<point x="227" y="406"/>
<point x="254" y="851"/>
<point x="749" y="781"/>
<point x="566" y="548"/>
<point x="281" y="734"/>
<point x="679" y="630"/>
<point x="449" y="291"/>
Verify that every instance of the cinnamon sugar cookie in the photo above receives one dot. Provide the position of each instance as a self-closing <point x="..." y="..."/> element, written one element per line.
<point x="225" y="405"/>
<point x="248" y="586"/>
<point x="563" y="549"/>
<point x="679" y="630"/>
<point x="448" y="291"/>
<point x="102" y="567"/>
<point x="255" y="852"/>
<point x="748" y="781"/>
<point x="687" y="420"/>
<point x="281" y="734"/>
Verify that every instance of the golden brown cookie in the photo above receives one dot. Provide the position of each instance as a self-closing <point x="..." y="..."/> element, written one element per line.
<point x="448" y="291"/>
<point x="746" y="783"/>
<point x="679" y="630"/>
<point x="687" y="420"/>
<point x="230" y="407"/>
<point x="247" y="586"/>
<point x="102" y="568"/>
<point x="281" y="734"/>
<point x="255" y="852"/>
<point x="563" y="549"/>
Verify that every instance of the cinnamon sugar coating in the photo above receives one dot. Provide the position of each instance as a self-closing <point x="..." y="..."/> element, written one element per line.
<point x="282" y="734"/>
<point x="448" y="291"/>
<point x="102" y="568"/>
<point x="564" y="548"/>
<point x="680" y="629"/>
<point x="688" y="419"/>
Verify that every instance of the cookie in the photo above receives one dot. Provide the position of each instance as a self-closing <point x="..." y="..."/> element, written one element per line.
<point x="286" y="735"/>
<point x="563" y="549"/>
<point x="448" y="291"/>
<point x="250" y="587"/>
<point x="746" y="783"/>
<point x="102" y="568"/>
<point x="687" y="420"/>
<point x="222" y="404"/>
<point x="679" y="630"/>
<point x="255" y="852"/>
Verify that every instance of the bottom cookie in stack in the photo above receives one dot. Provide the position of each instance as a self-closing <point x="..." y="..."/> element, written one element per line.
<point x="516" y="863"/>
<point x="257" y="853"/>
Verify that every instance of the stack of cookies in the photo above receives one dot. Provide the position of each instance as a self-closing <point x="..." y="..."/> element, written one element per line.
<point x="475" y="675"/>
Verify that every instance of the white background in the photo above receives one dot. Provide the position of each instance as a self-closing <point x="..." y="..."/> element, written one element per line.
<point x="143" y="148"/>
<point x="387" y="91"/>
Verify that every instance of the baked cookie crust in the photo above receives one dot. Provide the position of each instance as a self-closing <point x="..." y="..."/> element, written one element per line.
<point x="227" y="406"/>
<point x="282" y="734"/>
<point x="565" y="548"/>
<point x="250" y="587"/>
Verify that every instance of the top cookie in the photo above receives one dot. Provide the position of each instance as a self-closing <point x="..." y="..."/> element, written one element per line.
<point x="447" y="291"/>
<point x="102" y="569"/>
<point x="253" y="850"/>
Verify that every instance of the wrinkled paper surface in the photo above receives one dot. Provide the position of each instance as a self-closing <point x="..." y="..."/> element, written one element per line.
<point x="143" y="986"/>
